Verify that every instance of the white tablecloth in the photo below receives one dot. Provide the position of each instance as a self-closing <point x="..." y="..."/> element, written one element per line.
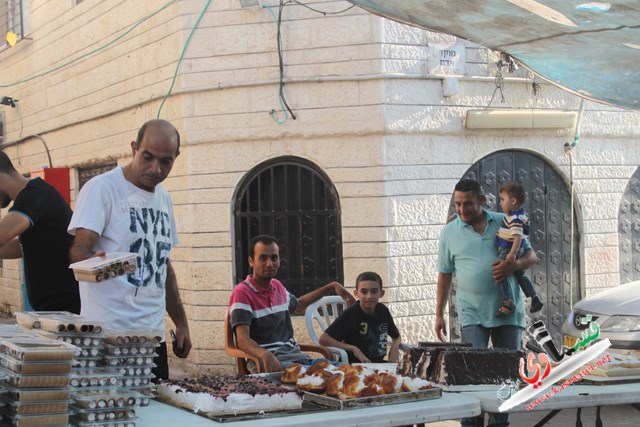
<point x="573" y="396"/>
<point x="449" y="406"/>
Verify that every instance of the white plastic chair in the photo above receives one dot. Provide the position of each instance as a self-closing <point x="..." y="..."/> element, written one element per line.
<point x="323" y="312"/>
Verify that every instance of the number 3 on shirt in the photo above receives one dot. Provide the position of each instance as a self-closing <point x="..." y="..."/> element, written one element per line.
<point x="364" y="328"/>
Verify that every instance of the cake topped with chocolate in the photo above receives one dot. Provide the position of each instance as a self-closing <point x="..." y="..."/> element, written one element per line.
<point x="461" y="364"/>
<point x="228" y="394"/>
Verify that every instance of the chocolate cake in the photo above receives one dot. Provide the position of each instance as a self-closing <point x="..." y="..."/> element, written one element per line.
<point x="226" y="394"/>
<point x="476" y="366"/>
<point x="453" y="364"/>
<point x="417" y="362"/>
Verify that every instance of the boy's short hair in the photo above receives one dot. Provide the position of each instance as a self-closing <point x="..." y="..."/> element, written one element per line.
<point x="369" y="276"/>
<point x="514" y="189"/>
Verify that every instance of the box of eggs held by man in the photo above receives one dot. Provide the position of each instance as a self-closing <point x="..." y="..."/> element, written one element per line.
<point x="98" y="269"/>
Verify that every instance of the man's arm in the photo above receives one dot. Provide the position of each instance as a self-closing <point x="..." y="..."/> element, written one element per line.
<point x="503" y="269"/>
<point x="328" y="340"/>
<point x="182" y="344"/>
<point x="307" y="299"/>
<point x="11" y="250"/>
<point x="442" y="298"/>
<point x="394" y="350"/>
<point x="246" y="344"/>
<point x="83" y="245"/>
<point x="11" y="226"/>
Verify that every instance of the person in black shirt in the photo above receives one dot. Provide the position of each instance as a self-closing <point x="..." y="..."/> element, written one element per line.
<point x="36" y="230"/>
<point x="362" y="329"/>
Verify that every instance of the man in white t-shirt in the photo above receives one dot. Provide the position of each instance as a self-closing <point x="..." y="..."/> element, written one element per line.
<point x="125" y="210"/>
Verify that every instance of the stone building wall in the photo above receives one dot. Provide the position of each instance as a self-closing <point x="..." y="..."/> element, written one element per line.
<point x="368" y="113"/>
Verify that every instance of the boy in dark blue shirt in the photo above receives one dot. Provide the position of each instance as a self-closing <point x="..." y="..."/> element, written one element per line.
<point x="362" y="329"/>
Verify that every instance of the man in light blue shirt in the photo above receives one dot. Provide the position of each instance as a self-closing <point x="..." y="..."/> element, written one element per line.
<point x="468" y="249"/>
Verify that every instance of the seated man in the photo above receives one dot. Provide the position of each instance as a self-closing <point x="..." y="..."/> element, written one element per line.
<point x="362" y="329"/>
<point x="260" y="307"/>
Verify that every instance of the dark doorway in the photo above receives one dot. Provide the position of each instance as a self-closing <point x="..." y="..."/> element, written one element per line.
<point x="629" y="230"/>
<point x="549" y="207"/>
<point x="291" y="199"/>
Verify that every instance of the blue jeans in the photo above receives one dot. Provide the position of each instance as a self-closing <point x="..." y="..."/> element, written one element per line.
<point x="521" y="277"/>
<point x="508" y="337"/>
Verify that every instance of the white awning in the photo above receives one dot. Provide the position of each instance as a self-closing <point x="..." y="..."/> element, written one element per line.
<point x="589" y="48"/>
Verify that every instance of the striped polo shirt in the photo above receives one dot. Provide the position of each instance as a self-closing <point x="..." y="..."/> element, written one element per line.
<point x="267" y="312"/>
<point x="516" y="223"/>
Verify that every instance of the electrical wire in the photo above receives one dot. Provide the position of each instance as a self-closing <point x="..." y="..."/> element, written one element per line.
<point x="91" y="52"/>
<point x="273" y="112"/>
<point x="571" y="249"/>
<point x="184" y="49"/>
<point x="499" y="81"/>
<point x="321" y="11"/>
<point x="281" y="60"/>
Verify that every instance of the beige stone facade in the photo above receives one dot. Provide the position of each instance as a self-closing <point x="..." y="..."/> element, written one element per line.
<point x="369" y="114"/>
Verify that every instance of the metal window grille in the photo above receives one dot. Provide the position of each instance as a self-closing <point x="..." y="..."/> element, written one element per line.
<point x="292" y="200"/>
<point x="11" y="17"/>
<point x="87" y="172"/>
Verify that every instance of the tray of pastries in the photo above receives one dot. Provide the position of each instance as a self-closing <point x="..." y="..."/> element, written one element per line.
<point x="349" y="386"/>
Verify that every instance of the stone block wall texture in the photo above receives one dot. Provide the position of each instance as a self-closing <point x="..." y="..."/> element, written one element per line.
<point x="368" y="114"/>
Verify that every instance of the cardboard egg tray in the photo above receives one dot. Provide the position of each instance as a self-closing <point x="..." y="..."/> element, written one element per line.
<point x="98" y="269"/>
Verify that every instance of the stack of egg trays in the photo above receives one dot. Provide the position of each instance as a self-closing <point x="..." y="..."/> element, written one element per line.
<point x="72" y="329"/>
<point x="115" y="407"/>
<point x="31" y="319"/>
<point x="38" y="372"/>
<point x="132" y="353"/>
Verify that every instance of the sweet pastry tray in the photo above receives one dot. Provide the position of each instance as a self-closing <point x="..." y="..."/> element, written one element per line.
<point x="385" y="399"/>
<point x="106" y="267"/>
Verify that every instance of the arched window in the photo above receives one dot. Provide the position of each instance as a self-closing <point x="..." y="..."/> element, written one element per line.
<point x="291" y="199"/>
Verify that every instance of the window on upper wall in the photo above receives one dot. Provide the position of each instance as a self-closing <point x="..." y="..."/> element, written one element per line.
<point x="85" y="173"/>
<point x="13" y="21"/>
